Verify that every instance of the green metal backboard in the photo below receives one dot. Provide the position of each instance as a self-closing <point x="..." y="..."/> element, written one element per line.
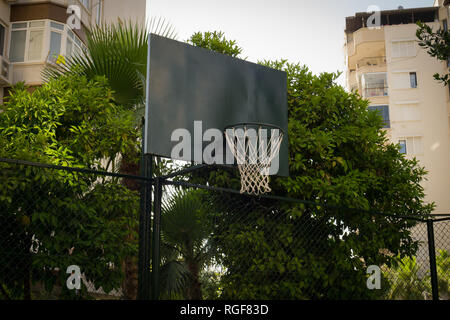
<point x="188" y="84"/>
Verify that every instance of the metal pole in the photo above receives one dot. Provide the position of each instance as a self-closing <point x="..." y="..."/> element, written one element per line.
<point x="432" y="255"/>
<point x="156" y="238"/>
<point x="145" y="227"/>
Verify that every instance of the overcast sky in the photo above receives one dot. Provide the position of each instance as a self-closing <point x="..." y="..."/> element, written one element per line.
<point x="307" y="31"/>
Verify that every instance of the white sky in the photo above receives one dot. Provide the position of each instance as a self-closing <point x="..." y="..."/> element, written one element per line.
<point x="309" y="32"/>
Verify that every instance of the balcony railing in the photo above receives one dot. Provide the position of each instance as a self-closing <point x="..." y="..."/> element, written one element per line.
<point x="371" y="62"/>
<point x="5" y="72"/>
<point x="375" y="92"/>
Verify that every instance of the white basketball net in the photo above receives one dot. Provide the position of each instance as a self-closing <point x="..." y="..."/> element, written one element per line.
<point x="254" y="150"/>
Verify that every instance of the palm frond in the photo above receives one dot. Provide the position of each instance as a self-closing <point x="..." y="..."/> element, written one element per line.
<point x="119" y="53"/>
<point x="174" y="278"/>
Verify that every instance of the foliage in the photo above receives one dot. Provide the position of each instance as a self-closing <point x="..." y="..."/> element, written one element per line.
<point x="408" y="281"/>
<point x="443" y="271"/>
<point x="78" y="218"/>
<point x="118" y="52"/>
<point x="339" y="156"/>
<point x="405" y="281"/>
<point x="437" y="45"/>
<point x="215" y="41"/>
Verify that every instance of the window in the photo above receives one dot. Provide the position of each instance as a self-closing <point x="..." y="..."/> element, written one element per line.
<point x="74" y="46"/>
<point x="27" y="41"/>
<point x="86" y="4"/>
<point x="413" y="79"/>
<point x="444" y="25"/>
<point x="56" y="35"/>
<point x="403" y="49"/>
<point x="402" y="144"/>
<point x="2" y="39"/>
<point x="17" y="51"/>
<point x="36" y="40"/>
<point x="404" y="79"/>
<point x="99" y="12"/>
<point x="411" y="145"/>
<point x="374" y="84"/>
<point x="383" y="111"/>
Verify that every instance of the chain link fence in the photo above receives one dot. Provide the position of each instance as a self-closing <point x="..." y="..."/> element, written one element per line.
<point x="214" y="243"/>
<point x="247" y="247"/>
<point x="56" y="224"/>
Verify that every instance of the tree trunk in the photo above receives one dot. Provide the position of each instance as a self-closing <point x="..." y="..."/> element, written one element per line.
<point x="130" y="265"/>
<point x="27" y="269"/>
<point x="194" y="290"/>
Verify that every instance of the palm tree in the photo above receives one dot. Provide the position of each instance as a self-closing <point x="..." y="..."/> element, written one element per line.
<point x="118" y="52"/>
<point x="187" y="246"/>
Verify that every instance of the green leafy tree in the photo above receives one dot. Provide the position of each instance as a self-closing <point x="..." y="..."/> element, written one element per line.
<point x="437" y="44"/>
<point x="215" y="41"/>
<point x="339" y="156"/>
<point x="52" y="219"/>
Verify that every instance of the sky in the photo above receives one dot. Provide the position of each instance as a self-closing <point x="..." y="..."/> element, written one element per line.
<point x="307" y="31"/>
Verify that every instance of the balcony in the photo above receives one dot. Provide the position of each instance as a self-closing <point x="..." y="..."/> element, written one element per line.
<point x="371" y="62"/>
<point x="5" y="72"/>
<point x="374" y="84"/>
<point x="365" y="43"/>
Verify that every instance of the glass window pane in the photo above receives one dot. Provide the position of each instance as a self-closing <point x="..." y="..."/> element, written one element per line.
<point x="20" y="25"/>
<point x="78" y="41"/>
<point x="37" y="24"/>
<point x="413" y="79"/>
<point x="402" y="144"/>
<point x="85" y="3"/>
<point x="55" y="44"/>
<point x="2" y="39"/>
<point x="17" y="51"/>
<point x="56" y="25"/>
<point x="69" y="48"/>
<point x="35" y="45"/>
<point x="70" y="34"/>
<point x="99" y="11"/>
<point x="383" y="111"/>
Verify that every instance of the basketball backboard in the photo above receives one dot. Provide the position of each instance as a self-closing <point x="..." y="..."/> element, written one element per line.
<point x="195" y="90"/>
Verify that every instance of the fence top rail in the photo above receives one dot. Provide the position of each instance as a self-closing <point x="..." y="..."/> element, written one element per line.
<point x="288" y="199"/>
<point x="433" y="217"/>
<point x="72" y="169"/>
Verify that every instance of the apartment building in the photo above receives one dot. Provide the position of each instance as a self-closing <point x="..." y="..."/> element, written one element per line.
<point x="386" y="65"/>
<point x="35" y="32"/>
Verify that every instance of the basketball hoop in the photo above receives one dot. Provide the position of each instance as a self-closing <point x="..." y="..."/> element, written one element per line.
<point x="254" y="146"/>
